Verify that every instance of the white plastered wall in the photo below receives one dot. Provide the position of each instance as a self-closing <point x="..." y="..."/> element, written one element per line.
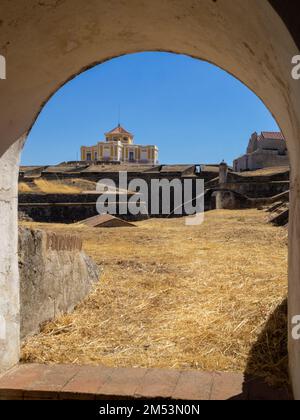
<point x="46" y="43"/>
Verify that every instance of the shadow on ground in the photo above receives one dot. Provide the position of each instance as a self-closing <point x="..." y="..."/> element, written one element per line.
<point x="266" y="373"/>
<point x="269" y="355"/>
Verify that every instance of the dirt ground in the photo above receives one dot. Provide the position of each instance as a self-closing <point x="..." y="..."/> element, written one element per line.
<point x="208" y="297"/>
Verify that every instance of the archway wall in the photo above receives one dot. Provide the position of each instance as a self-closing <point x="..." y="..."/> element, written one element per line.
<point x="9" y="275"/>
<point x="48" y="42"/>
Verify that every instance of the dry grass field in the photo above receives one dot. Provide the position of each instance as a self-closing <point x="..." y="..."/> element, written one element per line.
<point x="69" y="186"/>
<point x="208" y="297"/>
<point x="266" y="171"/>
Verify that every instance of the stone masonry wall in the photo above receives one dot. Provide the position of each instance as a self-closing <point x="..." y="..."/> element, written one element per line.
<point x="55" y="275"/>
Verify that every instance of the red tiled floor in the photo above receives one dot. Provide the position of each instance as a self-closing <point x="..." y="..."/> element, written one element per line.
<point x="158" y="383"/>
<point x="193" y="385"/>
<point x="87" y="381"/>
<point x="35" y="381"/>
<point x="123" y="383"/>
<point x="227" y="386"/>
<point x="51" y="382"/>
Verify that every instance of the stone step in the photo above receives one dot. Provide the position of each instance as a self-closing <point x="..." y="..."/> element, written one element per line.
<point x="56" y="382"/>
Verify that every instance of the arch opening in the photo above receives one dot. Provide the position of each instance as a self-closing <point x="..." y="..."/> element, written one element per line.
<point x="261" y="59"/>
<point x="51" y="176"/>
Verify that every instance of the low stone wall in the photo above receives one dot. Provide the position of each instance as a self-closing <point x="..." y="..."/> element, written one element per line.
<point x="281" y="175"/>
<point x="229" y="199"/>
<point x="66" y="212"/>
<point x="226" y="199"/>
<point x="55" y="275"/>
<point x="258" y="189"/>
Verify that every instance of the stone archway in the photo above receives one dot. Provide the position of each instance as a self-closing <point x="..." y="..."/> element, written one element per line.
<point x="47" y="42"/>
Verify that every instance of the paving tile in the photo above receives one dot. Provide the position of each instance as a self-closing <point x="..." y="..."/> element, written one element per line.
<point x="193" y="385"/>
<point x="124" y="382"/>
<point x="34" y="381"/>
<point x="55" y="377"/>
<point x="228" y="386"/>
<point x="88" y="380"/>
<point x="51" y="381"/>
<point x="21" y="377"/>
<point x="158" y="383"/>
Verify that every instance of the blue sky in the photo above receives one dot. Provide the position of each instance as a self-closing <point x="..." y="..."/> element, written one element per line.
<point x="193" y="111"/>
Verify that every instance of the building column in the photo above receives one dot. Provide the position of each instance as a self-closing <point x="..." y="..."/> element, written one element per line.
<point x="9" y="275"/>
<point x="222" y="197"/>
<point x="223" y="172"/>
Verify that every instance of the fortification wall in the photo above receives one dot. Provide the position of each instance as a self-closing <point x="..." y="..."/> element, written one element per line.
<point x="258" y="189"/>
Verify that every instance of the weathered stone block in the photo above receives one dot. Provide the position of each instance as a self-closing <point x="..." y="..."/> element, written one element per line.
<point x="55" y="275"/>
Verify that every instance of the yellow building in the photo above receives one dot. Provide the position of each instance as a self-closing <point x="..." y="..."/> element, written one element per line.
<point x="119" y="147"/>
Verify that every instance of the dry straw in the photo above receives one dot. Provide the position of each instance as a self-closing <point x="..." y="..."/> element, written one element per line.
<point x="204" y="297"/>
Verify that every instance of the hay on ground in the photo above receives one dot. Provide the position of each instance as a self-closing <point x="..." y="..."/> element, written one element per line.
<point x="173" y="296"/>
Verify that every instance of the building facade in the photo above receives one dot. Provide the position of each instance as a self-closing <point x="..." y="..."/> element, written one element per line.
<point x="265" y="150"/>
<point x="119" y="147"/>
